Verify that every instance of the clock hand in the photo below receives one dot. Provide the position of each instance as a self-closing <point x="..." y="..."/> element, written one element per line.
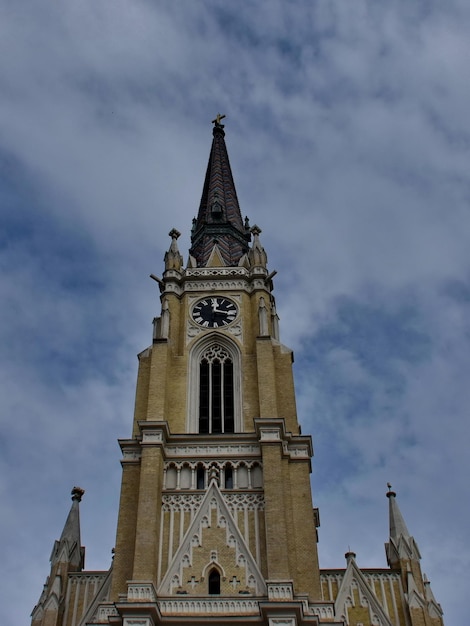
<point x="220" y="311"/>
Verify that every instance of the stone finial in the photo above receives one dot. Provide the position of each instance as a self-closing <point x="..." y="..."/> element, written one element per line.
<point x="257" y="254"/>
<point x="77" y="493"/>
<point x="350" y="556"/>
<point x="173" y="259"/>
<point x="214" y="474"/>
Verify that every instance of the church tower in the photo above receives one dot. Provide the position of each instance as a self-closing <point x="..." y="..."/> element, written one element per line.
<point x="216" y="499"/>
<point x="216" y="521"/>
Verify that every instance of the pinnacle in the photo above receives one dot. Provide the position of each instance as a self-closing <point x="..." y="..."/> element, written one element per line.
<point x="397" y="523"/>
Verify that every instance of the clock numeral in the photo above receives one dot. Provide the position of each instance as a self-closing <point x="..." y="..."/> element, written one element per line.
<point x="215" y="325"/>
<point x="199" y="320"/>
<point x="205" y="324"/>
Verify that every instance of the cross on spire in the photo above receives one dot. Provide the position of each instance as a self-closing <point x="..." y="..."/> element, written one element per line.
<point x="217" y="119"/>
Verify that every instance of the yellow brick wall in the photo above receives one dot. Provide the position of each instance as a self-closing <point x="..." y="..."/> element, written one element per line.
<point x="148" y="514"/>
<point x="142" y="391"/>
<point x="126" y="529"/>
<point x="302" y="532"/>
<point x="275" y="507"/>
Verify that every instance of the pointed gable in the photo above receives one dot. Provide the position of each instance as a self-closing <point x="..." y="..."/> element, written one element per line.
<point x="355" y="581"/>
<point x="213" y="542"/>
<point x="216" y="258"/>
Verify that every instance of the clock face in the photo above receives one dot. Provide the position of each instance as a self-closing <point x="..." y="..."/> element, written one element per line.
<point x="214" y="312"/>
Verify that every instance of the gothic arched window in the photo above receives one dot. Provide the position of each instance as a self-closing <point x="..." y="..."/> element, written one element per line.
<point x="216" y="391"/>
<point x="214" y="386"/>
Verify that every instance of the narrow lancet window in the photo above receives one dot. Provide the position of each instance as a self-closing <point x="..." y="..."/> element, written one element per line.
<point x="200" y="477"/>
<point x="214" y="582"/>
<point x="228" y="477"/>
<point x="216" y="395"/>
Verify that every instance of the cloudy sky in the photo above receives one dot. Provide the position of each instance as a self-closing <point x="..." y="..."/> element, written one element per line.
<point x="347" y="128"/>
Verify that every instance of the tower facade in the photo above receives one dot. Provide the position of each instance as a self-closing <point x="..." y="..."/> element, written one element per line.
<point x="216" y="521"/>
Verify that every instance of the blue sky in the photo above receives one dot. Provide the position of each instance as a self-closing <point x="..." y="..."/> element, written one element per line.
<point x="347" y="129"/>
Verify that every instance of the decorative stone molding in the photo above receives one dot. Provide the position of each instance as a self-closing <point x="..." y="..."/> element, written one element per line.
<point x="215" y="450"/>
<point x="221" y="278"/>
<point x="298" y="451"/>
<point x="214" y="272"/>
<point x="204" y="606"/>
<point x="280" y="591"/>
<point x="155" y="436"/>
<point x="131" y="455"/>
<point x="242" y="501"/>
<point x="193" y="330"/>
<point x="270" y="434"/>
<point x="222" y="285"/>
<point x="82" y="578"/>
<point x="141" y="592"/>
<point x="181" y="502"/>
<point x="325" y="611"/>
<point x="153" y="432"/>
<point x="282" y="621"/>
<point x="244" y="474"/>
<point x="105" y="611"/>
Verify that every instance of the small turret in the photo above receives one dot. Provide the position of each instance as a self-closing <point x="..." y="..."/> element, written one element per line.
<point x="401" y="545"/>
<point x="403" y="555"/>
<point x="67" y="555"/>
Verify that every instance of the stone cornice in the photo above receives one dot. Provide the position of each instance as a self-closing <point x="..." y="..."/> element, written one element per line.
<point x="202" y="279"/>
<point x="272" y="431"/>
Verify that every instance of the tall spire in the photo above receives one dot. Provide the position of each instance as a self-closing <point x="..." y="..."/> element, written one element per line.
<point x="401" y="544"/>
<point x="70" y="537"/>
<point x="397" y="522"/>
<point x="219" y="221"/>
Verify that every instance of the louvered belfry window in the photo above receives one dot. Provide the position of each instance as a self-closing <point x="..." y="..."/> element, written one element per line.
<point x="216" y="398"/>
